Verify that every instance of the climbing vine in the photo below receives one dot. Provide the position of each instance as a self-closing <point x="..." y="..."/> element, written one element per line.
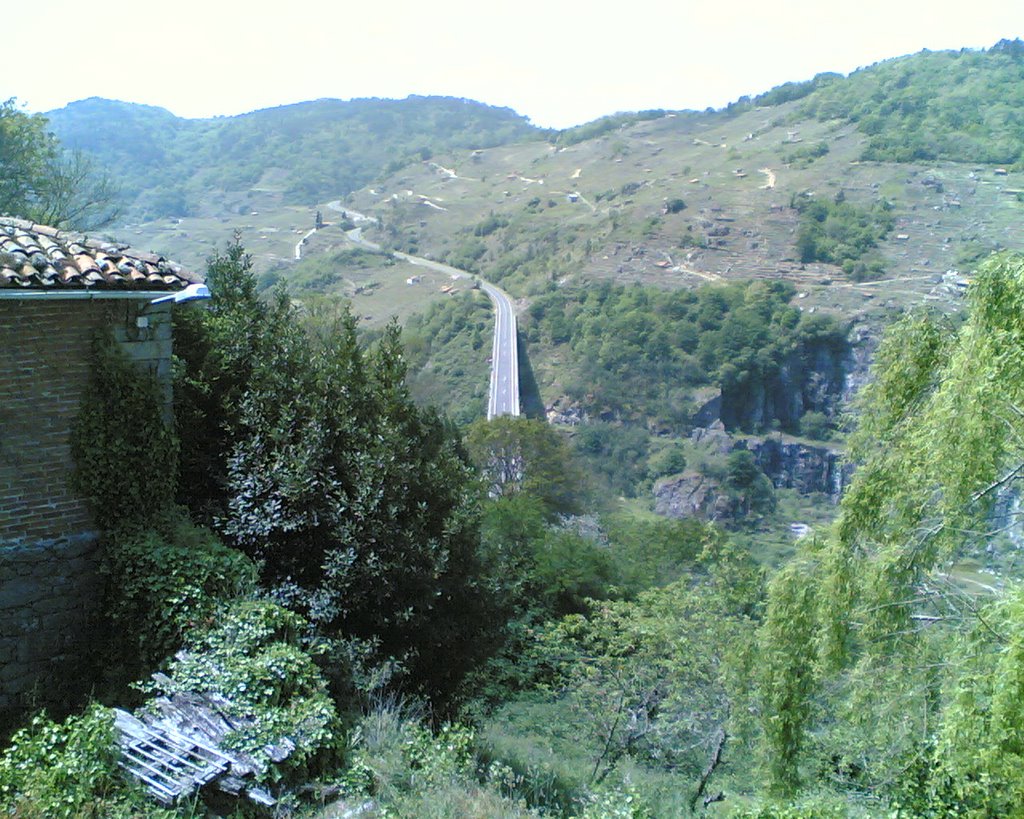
<point x="125" y="452"/>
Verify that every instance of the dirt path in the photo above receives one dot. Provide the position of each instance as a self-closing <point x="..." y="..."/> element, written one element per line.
<point x="700" y="274"/>
<point x="770" y="183"/>
<point x="450" y="172"/>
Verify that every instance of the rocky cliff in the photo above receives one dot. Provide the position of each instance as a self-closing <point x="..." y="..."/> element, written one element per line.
<point x="801" y="466"/>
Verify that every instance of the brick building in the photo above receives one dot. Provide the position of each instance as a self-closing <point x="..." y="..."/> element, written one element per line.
<point x="57" y="290"/>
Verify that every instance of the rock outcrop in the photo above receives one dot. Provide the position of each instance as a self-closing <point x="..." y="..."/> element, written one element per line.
<point x="692" y="495"/>
<point x="800" y="466"/>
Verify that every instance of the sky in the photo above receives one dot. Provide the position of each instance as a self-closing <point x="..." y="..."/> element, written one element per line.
<point x="559" y="62"/>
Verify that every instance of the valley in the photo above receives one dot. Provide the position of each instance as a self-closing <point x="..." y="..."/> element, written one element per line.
<point x="664" y="466"/>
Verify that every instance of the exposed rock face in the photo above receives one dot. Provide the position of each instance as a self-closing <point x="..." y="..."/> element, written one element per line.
<point x="714" y="437"/>
<point x="692" y="495"/>
<point x="570" y="416"/>
<point x="810" y="379"/>
<point x="793" y="465"/>
<point x="863" y="343"/>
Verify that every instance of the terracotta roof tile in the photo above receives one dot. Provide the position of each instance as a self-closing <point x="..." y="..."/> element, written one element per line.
<point x="43" y="258"/>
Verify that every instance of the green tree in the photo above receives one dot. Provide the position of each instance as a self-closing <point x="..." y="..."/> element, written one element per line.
<point x="903" y="668"/>
<point x="26" y="151"/>
<point x="659" y="679"/>
<point x="359" y="506"/>
<point x="39" y="181"/>
<point x="522" y="455"/>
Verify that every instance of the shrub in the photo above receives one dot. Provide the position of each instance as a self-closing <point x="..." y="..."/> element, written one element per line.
<point x="815" y="425"/>
<point x="164" y="580"/>
<point x="69" y="770"/>
<point x="275" y="689"/>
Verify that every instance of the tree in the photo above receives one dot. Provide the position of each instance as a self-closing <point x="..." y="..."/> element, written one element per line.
<point x="661" y="679"/>
<point x="26" y="151"/>
<point x="524" y="455"/>
<point x="359" y="506"/>
<point x="39" y="181"/>
<point x="913" y="665"/>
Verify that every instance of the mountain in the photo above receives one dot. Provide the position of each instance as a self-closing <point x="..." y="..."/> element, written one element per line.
<point x="167" y="166"/>
<point x="904" y="170"/>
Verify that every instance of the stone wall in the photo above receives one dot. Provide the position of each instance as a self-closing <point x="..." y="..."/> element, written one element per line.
<point x="49" y="592"/>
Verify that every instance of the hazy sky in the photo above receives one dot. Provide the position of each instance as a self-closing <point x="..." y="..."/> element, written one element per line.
<point x="560" y="62"/>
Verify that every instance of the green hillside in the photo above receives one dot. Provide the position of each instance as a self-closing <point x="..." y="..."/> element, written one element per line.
<point x="305" y="152"/>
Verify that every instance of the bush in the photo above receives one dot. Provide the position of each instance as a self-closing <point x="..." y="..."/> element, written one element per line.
<point x="668" y="461"/>
<point x="412" y="771"/>
<point x="815" y="425"/>
<point x="274" y="689"/>
<point x="163" y="581"/>
<point x="69" y="770"/>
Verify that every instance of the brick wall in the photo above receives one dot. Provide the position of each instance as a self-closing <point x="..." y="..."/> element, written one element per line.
<point x="48" y="559"/>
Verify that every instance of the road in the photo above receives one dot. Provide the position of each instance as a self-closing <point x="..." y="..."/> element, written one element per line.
<point x="503" y="396"/>
<point x="504" y="393"/>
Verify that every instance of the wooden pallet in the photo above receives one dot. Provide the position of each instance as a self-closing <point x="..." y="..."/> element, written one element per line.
<point x="169" y="764"/>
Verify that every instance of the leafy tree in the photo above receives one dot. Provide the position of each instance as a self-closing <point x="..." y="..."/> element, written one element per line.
<point x="903" y="670"/>
<point x="522" y="455"/>
<point x="26" y="150"/>
<point x="358" y="505"/>
<point x="668" y="461"/>
<point x="657" y="679"/>
<point x="40" y="182"/>
<point x="839" y="232"/>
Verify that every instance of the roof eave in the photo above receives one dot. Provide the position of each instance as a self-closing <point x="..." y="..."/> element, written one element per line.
<point x="32" y="295"/>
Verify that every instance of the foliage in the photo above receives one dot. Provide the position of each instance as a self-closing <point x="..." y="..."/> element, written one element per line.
<point x="163" y="581"/>
<point x="324" y="272"/>
<point x="841" y="233"/>
<point x="411" y="771"/>
<point x="891" y="666"/>
<point x="640" y="351"/>
<point x="69" y="770"/>
<point x="168" y="164"/>
<point x="39" y="181"/>
<point x="634" y="691"/>
<point x="747" y="483"/>
<point x="124" y="451"/>
<point x="604" y="125"/>
<point x="274" y="690"/>
<point x="954" y="105"/>
<point x="787" y="678"/>
<point x="522" y="455"/>
<point x="806" y="154"/>
<point x="357" y="504"/>
<point x="654" y="551"/>
<point x="445" y="350"/>
<point x="614" y="453"/>
<point x="670" y="460"/>
<point x="26" y="149"/>
<point x="815" y="425"/>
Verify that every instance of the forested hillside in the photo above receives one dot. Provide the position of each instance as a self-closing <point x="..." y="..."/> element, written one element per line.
<point x="308" y="152"/>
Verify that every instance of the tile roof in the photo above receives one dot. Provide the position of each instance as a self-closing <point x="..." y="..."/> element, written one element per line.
<point x="36" y="257"/>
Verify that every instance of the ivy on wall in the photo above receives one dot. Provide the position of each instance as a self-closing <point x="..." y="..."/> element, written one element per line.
<point x="125" y="454"/>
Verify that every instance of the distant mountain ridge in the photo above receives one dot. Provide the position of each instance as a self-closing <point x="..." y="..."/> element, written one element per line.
<point x="323" y="148"/>
<point x="960" y="106"/>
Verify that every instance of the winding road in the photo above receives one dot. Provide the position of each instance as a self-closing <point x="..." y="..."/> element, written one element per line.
<point x="503" y="396"/>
